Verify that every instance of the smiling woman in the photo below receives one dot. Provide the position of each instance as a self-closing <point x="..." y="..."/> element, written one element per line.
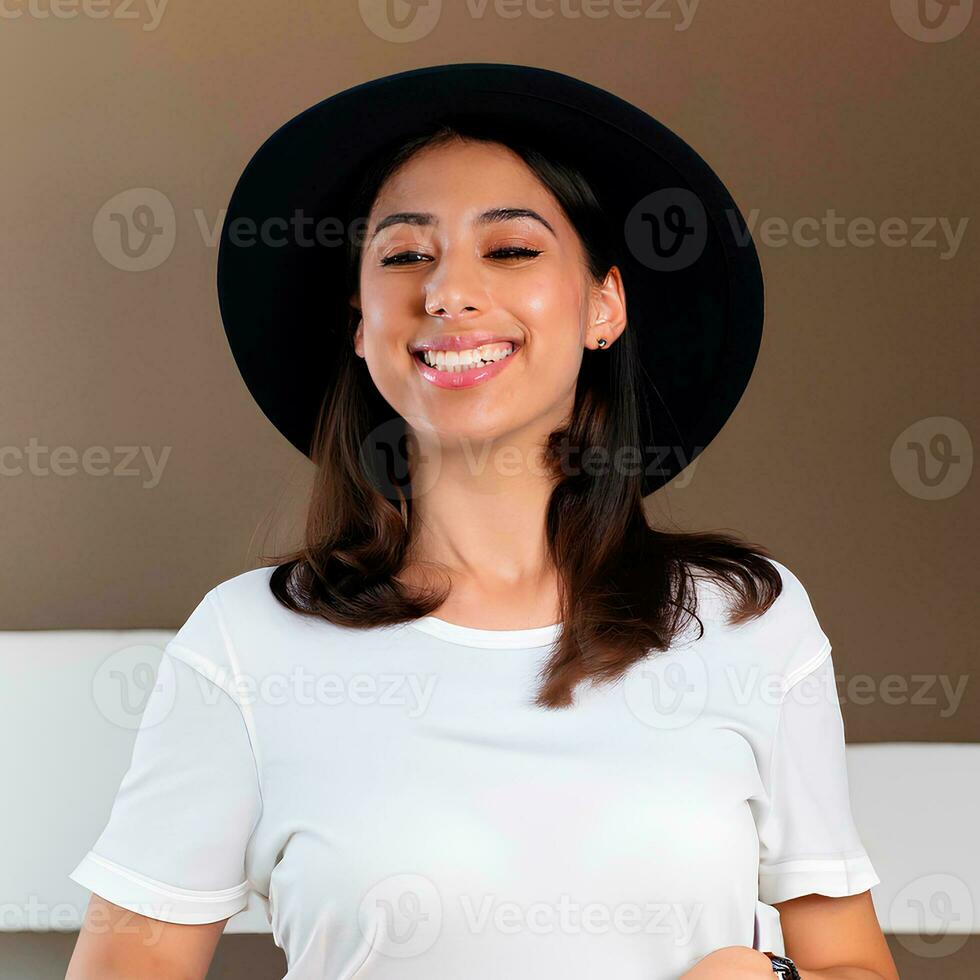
<point x="474" y="237"/>
<point x="591" y="785"/>
<point x="450" y="280"/>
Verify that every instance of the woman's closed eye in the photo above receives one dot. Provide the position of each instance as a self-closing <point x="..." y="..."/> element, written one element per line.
<point x="506" y="252"/>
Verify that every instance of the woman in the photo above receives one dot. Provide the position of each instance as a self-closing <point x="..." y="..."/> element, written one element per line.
<point x="487" y="721"/>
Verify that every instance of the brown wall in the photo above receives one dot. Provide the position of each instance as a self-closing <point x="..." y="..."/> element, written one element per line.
<point x="806" y="111"/>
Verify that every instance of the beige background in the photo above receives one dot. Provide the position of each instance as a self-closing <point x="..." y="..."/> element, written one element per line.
<point x="801" y="108"/>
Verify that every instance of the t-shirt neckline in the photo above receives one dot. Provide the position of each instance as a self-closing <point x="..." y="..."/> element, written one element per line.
<point x="536" y="636"/>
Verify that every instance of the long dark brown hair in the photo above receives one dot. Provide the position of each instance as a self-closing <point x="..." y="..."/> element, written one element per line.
<point x="625" y="588"/>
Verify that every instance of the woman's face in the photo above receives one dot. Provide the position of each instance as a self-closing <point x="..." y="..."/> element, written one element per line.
<point x="451" y="270"/>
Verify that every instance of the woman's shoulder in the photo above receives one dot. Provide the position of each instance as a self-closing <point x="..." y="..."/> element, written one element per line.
<point x="247" y="590"/>
<point x="250" y="611"/>
<point x="211" y="639"/>
<point x="786" y="641"/>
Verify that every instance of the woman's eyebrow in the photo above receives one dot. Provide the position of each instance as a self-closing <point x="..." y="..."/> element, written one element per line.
<point x="493" y="215"/>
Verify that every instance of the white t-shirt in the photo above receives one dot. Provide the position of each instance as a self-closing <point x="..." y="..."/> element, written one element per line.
<point x="408" y="813"/>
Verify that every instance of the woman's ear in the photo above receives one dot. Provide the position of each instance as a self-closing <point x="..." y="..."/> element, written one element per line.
<point x="355" y="306"/>
<point x="608" y="319"/>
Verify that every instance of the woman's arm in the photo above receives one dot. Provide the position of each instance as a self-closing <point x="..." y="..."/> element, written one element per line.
<point x="831" y="938"/>
<point x="116" y="944"/>
<point x="827" y="938"/>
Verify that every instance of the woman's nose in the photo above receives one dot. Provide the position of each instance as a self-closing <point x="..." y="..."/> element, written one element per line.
<point x="434" y="308"/>
<point x="455" y="291"/>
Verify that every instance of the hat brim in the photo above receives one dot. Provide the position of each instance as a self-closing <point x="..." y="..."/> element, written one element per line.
<point x="697" y="320"/>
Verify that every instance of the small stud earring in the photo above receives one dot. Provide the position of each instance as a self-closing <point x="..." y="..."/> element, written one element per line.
<point x="601" y="342"/>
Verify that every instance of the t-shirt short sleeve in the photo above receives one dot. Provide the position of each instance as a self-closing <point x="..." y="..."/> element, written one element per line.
<point x="809" y="843"/>
<point x="174" y="844"/>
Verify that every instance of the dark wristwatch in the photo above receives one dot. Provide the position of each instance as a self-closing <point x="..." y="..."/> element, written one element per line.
<point x="783" y="966"/>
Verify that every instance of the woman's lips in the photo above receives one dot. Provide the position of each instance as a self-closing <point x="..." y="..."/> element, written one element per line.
<point x="464" y="379"/>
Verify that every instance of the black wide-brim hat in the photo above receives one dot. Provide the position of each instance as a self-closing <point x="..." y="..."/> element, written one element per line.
<point x="691" y="273"/>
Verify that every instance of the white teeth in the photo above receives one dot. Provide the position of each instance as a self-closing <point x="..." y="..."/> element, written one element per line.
<point x="455" y="361"/>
